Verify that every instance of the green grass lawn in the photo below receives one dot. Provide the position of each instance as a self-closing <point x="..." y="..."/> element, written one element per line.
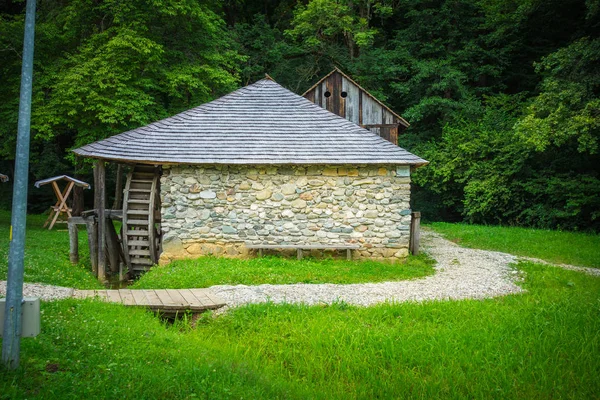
<point x="47" y="254"/>
<point x="552" y="246"/>
<point x="208" y="271"/>
<point x="541" y="344"/>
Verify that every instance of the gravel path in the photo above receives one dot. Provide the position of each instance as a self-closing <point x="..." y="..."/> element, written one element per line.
<point x="585" y="270"/>
<point x="460" y="273"/>
<point x="44" y="292"/>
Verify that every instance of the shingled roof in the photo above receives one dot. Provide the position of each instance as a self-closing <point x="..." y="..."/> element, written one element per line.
<point x="262" y="123"/>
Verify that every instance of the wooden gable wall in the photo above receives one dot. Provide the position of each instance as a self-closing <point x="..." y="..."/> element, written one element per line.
<point x="340" y="95"/>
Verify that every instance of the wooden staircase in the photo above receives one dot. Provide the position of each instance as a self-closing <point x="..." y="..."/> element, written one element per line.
<point x="141" y="218"/>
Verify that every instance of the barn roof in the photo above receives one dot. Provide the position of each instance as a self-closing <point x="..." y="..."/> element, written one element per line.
<point x="77" y="182"/>
<point x="262" y="123"/>
<point x="336" y="69"/>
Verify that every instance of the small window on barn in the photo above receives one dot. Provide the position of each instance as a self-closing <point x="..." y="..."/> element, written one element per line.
<point x="328" y="94"/>
<point x="344" y="94"/>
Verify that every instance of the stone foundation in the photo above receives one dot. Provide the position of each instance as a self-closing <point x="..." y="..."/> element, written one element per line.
<point x="215" y="210"/>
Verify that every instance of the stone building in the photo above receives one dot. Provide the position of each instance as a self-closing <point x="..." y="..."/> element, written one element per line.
<point x="264" y="165"/>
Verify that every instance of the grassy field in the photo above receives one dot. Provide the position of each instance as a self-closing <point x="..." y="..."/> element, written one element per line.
<point x="552" y="246"/>
<point x="542" y="344"/>
<point x="47" y="254"/>
<point x="208" y="271"/>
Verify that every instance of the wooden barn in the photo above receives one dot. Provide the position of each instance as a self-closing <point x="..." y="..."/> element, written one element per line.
<point x="338" y="93"/>
<point x="260" y="168"/>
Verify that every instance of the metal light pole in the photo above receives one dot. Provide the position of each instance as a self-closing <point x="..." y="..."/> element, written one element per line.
<point x="11" y="342"/>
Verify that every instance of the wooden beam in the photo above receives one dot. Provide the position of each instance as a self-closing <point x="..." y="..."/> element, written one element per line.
<point x="113" y="247"/>
<point x="73" y="243"/>
<point x="100" y="205"/>
<point x="415" y="233"/>
<point x="90" y="224"/>
<point x="118" y="203"/>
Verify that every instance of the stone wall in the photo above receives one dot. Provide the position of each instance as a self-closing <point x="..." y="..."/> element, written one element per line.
<point x="217" y="209"/>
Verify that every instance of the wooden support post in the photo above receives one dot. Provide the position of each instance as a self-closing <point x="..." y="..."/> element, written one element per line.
<point x="90" y="224"/>
<point x="348" y="254"/>
<point x="415" y="232"/>
<point x="299" y="254"/>
<point x="100" y="206"/>
<point x="113" y="246"/>
<point x="122" y="275"/>
<point x="73" y="243"/>
<point x="118" y="203"/>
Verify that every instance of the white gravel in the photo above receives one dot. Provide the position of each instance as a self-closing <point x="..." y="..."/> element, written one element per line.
<point x="44" y="292"/>
<point x="460" y="273"/>
<point x="585" y="270"/>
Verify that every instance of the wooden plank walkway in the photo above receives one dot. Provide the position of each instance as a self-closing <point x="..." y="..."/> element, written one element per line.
<point x="168" y="301"/>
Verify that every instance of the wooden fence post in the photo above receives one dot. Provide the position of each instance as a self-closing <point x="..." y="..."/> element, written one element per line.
<point x="73" y="242"/>
<point x="415" y="232"/>
<point x="90" y="224"/>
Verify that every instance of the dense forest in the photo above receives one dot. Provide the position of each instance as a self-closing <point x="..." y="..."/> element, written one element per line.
<point x="503" y="96"/>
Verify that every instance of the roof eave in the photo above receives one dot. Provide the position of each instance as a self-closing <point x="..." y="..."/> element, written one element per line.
<point x="416" y="164"/>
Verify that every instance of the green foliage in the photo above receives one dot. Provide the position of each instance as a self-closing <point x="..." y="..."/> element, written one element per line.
<point x="47" y="255"/>
<point x="491" y="174"/>
<point x="540" y="344"/>
<point x="209" y="271"/>
<point x="322" y="21"/>
<point x="104" y="68"/>
<point x="502" y="96"/>
<point x="567" y="108"/>
<point x="552" y="246"/>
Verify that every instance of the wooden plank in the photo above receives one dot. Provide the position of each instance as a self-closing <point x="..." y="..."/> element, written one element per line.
<point x="114" y="296"/>
<point x="137" y="232"/>
<point x="216" y="300"/>
<point x="192" y="300"/>
<point x="83" y="294"/>
<point x="200" y="294"/>
<point x="138" y="201"/>
<point x="139" y="243"/>
<point x="127" y="297"/>
<point x="139" y="252"/>
<point x="138" y="212"/>
<point x="102" y="294"/>
<point x="77" y="220"/>
<point x="153" y="298"/>
<point x="360" y="107"/>
<point x="142" y="222"/>
<point x="165" y="299"/>
<point x="141" y="261"/>
<point x="140" y="297"/>
<point x="209" y="299"/>
<point x="177" y="298"/>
